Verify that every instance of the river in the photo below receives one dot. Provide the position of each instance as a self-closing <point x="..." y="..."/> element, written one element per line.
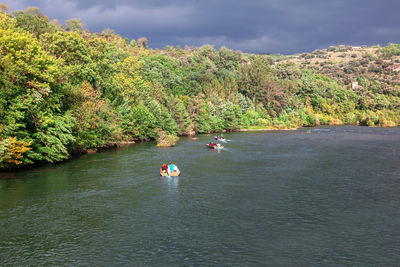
<point x="311" y="197"/>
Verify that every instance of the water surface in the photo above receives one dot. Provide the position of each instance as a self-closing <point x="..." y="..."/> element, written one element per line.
<point x="312" y="197"/>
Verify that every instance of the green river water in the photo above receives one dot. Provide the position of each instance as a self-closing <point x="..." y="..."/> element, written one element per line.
<point x="311" y="197"/>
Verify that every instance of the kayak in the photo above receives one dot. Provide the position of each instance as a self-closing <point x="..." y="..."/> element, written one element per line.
<point x="219" y="138"/>
<point x="174" y="173"/>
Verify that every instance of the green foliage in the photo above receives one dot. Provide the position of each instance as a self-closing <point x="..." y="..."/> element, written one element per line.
<point x="231" y="116"/>
<point x="228" y="61"/>
<point x="167" y="71"/>
<point x="166" y="140"/>
<point x="179" y="114"/>
<point x="52" y="138"/>
<point x="73" y="90"/>
<point x="251" y="117"/>
<point x="130" y="81"/>
<point x="141" y="123"/>
<point x="30" y="100"/>
<point x="96" y="121"/>
<point x="254" y="77"/>
<point x="391" y="50"/>
<point x="163" y="118"/>
<point x="25" y="66"/>
<point x="74" y="25"/>
<point x="199" y="114"/>
<point x="31" y="20"/>
<point x="289" y="71"/>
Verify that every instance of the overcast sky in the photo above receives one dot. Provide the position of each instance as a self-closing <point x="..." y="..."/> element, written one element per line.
<point x="260" y="26"/>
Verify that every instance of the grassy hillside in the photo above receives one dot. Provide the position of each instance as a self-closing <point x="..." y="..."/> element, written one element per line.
<point x="380" y="65"/>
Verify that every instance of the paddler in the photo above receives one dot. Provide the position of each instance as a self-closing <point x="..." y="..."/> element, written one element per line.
<point x="171" y="168"/>
<point x="164" y="168"/>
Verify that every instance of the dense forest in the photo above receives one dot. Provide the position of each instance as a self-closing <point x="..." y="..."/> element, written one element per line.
<point x="65" y="90"/>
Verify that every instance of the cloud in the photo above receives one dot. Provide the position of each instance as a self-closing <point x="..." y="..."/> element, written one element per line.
<point x="263" y="26"/>
<point x="124" y="17"/>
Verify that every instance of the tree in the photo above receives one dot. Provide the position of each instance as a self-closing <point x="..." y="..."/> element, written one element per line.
<point x="56" y="24"/>
<point x="179" y="114"/>
<point x="74" y="25"/>
<point x="70" y="46"/>
<point x="107" y="32"/>
<point x="254" y="76"/>
<point x="228" y="59"/>
<point x="231" y="116"/>
<point x="275" y="95"/>
<point x="289" y="71"/>
<point x="163" y="118"/>
<point x="26" y="69"/>
<point x="244" y="103"/>
<point x="11" y="152"/>
<point x="30" y="97"/>
<point x="206" y="52"/>
<point x="198" y="113"/>
<point x="72" y="50"/>
<point x="96" y="121"/>
<point x="129" y="79"/>
<point x="4" y="8"/>
<point x="33" y="21"/>
<point x="53" y="137"/>
<point x="104" y="54"/>
<point x="142" y="42"/>
<point x="142" y="123"/>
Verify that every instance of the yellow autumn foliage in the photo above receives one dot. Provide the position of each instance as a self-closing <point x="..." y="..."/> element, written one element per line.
<point x="15" y="150"/>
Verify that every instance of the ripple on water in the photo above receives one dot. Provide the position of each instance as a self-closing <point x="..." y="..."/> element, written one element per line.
<point x="328" y="197"/>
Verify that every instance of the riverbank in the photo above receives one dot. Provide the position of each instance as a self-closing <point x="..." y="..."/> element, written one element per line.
<point x="193" y="137"/>
<point x="269" y="129"/>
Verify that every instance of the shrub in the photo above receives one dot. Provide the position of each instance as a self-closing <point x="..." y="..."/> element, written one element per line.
<point x="252" y="116"/>
<point x="166" y="140"/>
<point x="374" y="69"/>
<point x="369" y="56"/>
<point x="368" y="118"/>
<point x="333" y="49"/>
<point x="11" y="152"/>
<point x="310" y="118"/>
<point x="364" y="62"/>
<point x="391" y="50"/>
<point x="263" y="122"/>
<point x="350" y="118"/>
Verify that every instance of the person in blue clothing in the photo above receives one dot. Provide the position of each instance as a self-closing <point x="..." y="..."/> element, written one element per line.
<point x="170" y="168"/>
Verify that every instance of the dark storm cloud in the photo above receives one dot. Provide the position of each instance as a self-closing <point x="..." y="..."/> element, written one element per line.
<point x="264" y="26"/>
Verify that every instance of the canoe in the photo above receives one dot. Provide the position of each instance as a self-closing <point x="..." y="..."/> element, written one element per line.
<point x="174" y="173"/>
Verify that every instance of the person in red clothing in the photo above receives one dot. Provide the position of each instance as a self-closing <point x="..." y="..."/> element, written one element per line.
<point x="164" y="168"/>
